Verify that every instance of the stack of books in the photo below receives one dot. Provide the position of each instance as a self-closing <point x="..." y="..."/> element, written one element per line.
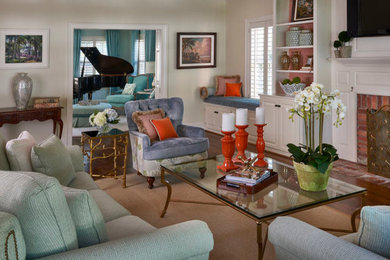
<point x="46" y="102"/>
<point x="245" y="179"/>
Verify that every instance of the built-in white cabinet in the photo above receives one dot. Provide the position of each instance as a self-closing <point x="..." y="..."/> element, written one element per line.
<point x="280" y="130"/>
<point x="213" y="120"/>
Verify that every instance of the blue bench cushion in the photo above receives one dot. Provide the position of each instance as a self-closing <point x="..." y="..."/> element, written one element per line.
<point x="175" y="147"/>
<point x="119" y="98"/>
<point x="239" y="102"/>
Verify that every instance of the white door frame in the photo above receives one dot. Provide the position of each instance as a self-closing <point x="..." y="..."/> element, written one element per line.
<point x="161" y="83"/>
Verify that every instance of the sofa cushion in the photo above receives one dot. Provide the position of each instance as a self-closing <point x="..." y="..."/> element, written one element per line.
<point x="19" y="152"/>
<point x="142" y="120"/>
<point x="127" y="226"/>
<point x="77" y="157"/>
<point x="86" y="216"/>
<point x="4" y="165"/>
<point x="176" y="147"/>
<point x="108" y="206"/>
<point x="40" y="206"/>
<point x="53" y="159"/>
<point x="84" y="181"/>
<point x="15" y="245"/>
<point x="374" y="230"/>
<point x="119" y="98"/>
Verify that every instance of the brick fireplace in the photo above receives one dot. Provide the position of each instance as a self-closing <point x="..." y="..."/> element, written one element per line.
<point x="365" y="102"/>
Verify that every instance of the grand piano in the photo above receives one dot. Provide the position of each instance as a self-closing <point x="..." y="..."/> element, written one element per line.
<point x="113" y="72"/>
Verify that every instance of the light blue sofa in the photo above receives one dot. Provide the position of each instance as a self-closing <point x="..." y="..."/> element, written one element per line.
<point x="147" y="157"/>
<point x="297" y="240"/>
<point x="35" y="211"/>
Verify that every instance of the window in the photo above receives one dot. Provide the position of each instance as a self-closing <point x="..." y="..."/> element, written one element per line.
<point x="140" y="53"/>
<point x="101" y="45"/>
<point x="259" y="58"/>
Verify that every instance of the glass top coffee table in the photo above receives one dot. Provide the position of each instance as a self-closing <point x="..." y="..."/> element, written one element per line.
<point x="283" y="197"/>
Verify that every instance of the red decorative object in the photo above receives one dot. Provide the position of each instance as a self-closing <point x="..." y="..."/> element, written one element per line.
<point x="241" y="143"/>
<point x="228" y="152"/>
<point x="260" y="145"/>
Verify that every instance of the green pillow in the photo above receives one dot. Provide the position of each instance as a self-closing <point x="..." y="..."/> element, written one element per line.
<point x="129" y="89"/>
<point x="53" y="159"/>
<point x="140" y="82"/>
<point x="86" y="216"/>
<point x="4" y="165"/>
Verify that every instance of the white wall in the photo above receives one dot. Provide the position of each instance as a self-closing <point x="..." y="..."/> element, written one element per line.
<point x="236" y="13"/>
<point x="179" y="15"/>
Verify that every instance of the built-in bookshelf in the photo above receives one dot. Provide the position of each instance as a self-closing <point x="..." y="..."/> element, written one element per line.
<point x="320" y="50"/>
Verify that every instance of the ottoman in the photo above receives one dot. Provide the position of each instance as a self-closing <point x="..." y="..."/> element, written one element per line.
<point x="81" y="113"/>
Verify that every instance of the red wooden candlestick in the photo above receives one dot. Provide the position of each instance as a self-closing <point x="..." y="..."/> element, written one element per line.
<point x="228" y="152"/>
<point x="241" y="143"/>
<point x="260" y="145"/>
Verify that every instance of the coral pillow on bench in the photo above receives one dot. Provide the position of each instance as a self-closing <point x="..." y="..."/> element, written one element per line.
<point x="233" y="89"/>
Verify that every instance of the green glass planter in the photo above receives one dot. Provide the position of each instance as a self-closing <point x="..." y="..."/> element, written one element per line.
<point x="310" y="179"/>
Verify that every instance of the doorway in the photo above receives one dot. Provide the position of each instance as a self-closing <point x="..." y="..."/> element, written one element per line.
<point x="97" y="35"/>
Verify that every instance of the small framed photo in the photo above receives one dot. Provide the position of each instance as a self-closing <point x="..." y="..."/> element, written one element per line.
<point x="302" y="10"/>
<point x="309" y="62"/>
<point x="196" y="50"/>
<point x="24" y="49"/>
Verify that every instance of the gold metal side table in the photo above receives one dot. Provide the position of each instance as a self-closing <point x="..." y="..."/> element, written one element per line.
<point x="107" y="153"/>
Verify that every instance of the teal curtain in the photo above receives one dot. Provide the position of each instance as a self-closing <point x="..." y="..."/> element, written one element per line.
<point x="135" y="35"/>
<point x="76" y="52"/>
<point x="112" y="39"/>
<point x="150" y="45"/>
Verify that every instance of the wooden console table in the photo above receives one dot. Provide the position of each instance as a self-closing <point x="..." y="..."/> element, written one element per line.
<point x="11" y="115"/>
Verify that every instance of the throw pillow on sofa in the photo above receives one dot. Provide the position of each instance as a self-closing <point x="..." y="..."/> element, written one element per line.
<point x="129" y="89"/>
<point x="52" y="158"/>
<point x="143" y="121"/>
<point x="86" y="216"/>
<point x="374" y="230"/>
<point x="19" y="152"/>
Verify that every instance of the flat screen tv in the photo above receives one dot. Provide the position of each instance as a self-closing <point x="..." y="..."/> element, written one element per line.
<point x="368" y="17"/>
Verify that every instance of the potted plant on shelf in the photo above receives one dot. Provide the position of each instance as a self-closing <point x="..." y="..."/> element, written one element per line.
<point x="342" y="49"/>
<point x="314" y="164"/>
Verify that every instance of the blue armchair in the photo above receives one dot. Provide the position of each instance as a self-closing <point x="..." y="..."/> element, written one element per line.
<point x="191" y="145"/>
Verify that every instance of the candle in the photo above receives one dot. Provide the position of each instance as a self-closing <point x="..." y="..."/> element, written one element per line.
<point x="260" y="116"/>
<point x="241" y="116"/>
<point x="227" y="122"/>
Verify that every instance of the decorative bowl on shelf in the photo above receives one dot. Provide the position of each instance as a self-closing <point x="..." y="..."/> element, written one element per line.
<point x="290" y="89"/>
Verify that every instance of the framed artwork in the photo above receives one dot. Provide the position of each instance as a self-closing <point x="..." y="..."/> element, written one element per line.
<point x="24" y="49"/>
<point x="302" y="10"/>
<point x="196" y="50"/>
<point x="309" y="62"/>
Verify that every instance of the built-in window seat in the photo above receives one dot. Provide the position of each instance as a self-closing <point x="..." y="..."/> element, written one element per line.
<point x="236" y="102"/>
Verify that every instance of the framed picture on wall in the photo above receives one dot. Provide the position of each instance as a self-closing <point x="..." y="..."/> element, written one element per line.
<point x="24" y="49"/>
<point x="302" y="10"/>
<point x="196" y="50"/>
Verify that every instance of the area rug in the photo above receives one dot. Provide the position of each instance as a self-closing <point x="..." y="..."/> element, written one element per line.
<point x="234" y="234"/>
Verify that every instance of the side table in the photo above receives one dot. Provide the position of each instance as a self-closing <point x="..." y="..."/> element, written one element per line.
<point x="102" y="147"/>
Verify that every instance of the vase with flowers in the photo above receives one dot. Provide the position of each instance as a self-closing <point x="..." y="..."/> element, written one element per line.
<point x="104" y="120"/>
<point x="314" y="164"/>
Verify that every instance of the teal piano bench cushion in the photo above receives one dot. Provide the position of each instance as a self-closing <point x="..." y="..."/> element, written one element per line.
<point x="119" y="98"/>
<point x="19" y="152"/>
<point x="86" y="216"/>
<point x="39" y="204"/>
<point x="52" y="158"/>
<point x="374" y="230"/>
<point x="176" y="147"/>
<point x="4" y="165"/>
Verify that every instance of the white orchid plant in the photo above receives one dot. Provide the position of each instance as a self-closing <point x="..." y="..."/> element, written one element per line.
<point x="107" y="116"/>
<point x="312" y="104"/>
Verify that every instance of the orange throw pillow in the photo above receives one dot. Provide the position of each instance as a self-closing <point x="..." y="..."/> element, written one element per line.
<point x="164" y="128"/>
<point x="233" y="89"/>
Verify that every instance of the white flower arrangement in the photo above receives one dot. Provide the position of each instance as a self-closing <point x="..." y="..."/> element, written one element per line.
<point x="312" y="104"/>
<point x="107" y="116"/>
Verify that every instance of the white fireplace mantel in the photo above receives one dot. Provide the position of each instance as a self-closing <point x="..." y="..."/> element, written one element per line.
<point x="361" y="61"/>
